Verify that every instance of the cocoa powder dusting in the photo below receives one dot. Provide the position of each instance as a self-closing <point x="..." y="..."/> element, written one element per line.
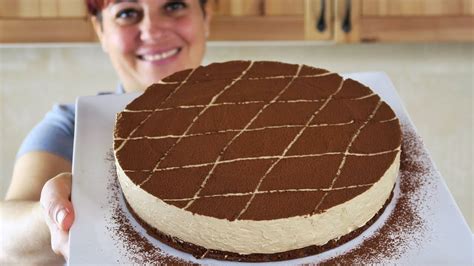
<point x="404" y="230"/>
<point x="133" y="245"/>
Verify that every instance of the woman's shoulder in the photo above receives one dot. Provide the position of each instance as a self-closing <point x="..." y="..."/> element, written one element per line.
<point x="54" y="133"/>
<point x="62" y="115"/>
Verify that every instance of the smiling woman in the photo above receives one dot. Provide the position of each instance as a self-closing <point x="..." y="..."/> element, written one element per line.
<point x="146" y="40"/>
<point x="149" y="40"/>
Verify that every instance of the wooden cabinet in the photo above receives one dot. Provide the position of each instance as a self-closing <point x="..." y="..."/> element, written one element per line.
<point x="44" y="21"/>
<point x="342" y="21"/>
<point x="42" y="9"/>
<point x="270" y="20"/>
<point x="417" y="8"/>
<point x="416" y="20"/>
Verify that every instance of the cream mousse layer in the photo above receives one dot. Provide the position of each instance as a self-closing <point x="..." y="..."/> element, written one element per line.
<point x="263" y="236"/>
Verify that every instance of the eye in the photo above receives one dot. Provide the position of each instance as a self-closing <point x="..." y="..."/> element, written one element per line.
<point x="128" y="15"/>
<point x="173" y="6"/>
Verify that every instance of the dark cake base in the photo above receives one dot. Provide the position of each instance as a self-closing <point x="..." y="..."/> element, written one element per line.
<point x="201" y="252"/>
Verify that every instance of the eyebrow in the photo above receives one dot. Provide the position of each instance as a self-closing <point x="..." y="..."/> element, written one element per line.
<point x="135" y="1"/>
<point x="120" y="1"/>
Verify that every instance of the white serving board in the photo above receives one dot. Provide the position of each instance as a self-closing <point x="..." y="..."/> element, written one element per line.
<point x="450" y="240"/>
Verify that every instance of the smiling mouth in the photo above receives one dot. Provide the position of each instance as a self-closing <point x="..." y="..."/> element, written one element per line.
<point x="159" y="56"/>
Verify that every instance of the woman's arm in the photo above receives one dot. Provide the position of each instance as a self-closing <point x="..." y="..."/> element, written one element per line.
<point x="24" y="230"/>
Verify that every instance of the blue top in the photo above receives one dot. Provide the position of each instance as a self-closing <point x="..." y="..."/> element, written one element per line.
<point x="55" y="133"/>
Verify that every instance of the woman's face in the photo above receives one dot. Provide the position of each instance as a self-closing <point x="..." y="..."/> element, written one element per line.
<point x="148" y="40"/>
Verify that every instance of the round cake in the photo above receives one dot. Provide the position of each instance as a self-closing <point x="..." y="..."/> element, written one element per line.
<point x="256" y="160"/>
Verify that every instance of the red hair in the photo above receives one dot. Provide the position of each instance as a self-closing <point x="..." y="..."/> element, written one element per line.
<point x="94" y="7"/>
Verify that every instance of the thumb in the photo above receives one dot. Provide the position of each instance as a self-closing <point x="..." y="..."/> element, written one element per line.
<point x="63" y="215"/>
<point x="55" y="200"/>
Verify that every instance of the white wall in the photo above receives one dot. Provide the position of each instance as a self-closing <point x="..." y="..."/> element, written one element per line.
<point x="435" y="82"/>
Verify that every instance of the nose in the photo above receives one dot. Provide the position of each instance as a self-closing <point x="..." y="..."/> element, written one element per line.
<point x="153" y="27"/>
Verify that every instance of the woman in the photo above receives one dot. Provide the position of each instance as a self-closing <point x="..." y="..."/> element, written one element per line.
<point x="145" y="40"/>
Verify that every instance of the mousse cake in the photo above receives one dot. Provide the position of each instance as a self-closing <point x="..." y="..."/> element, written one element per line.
<point x="256" y="160"/>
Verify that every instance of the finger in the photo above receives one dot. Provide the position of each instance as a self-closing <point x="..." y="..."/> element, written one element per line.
<point x="55" y="201"/>
<point x="60" y="242"/>
<point x="58" y="185"/>
<point x="64" y="216"/>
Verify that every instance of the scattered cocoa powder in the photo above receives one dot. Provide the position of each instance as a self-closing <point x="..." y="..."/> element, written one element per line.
<point x="404" y="230"/>
<point x="131" y="243"/>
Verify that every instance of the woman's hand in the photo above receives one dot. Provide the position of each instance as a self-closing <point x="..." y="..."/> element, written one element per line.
<point x="58" y="211"/>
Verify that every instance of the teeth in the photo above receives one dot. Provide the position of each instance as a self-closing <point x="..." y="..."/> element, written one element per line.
<point x="155" y="57"/>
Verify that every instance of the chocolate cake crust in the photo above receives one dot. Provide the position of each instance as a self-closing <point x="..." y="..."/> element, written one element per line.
<point x="201" y="252"/>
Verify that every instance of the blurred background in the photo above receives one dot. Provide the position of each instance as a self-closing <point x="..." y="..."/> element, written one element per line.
<point x="49" y="54"/>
